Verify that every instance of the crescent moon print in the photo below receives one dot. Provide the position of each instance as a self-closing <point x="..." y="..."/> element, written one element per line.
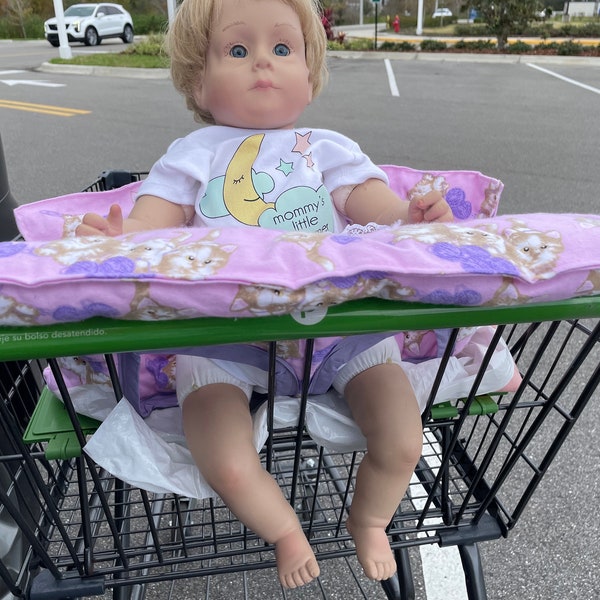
<point x="239" y="194"/>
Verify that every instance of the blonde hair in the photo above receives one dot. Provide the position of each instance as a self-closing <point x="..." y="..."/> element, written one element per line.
<point x="189" y="36"/>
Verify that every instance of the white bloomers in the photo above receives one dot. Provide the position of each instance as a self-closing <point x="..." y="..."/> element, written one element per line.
<point x="194" y="372"/>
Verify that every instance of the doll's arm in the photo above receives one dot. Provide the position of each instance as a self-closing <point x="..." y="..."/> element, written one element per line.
<point x="373" y="201"/>
<point x="149" y="212"/>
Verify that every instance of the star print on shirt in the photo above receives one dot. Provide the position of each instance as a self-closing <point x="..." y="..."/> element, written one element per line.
<point x="285" y="167"/>
<point x="302" y="147"/>
<point x="302" y="143"/>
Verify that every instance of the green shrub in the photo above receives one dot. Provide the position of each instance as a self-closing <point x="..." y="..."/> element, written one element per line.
<point x="518" y="48"/>
<point x="433" y="46"/>
<point x="544" y="31"/>
<point x="589" y="30"/>
<point x="568" y="30"/>
<point x="546" y="48"/>
<point x="33" y="28"/>
<point x="398" y="47"/>
<point x="537" y="29"/>
<point x="475" y="45"/>
<point x="146" y="24"/>
<point x="585" y="30"/>
<point x="359" y="45"/>
<point x="334" y="45"/>
<point x="153" y="45"/>
<point x="569" y="48"/>
<point x="474" y="29"/>
<point x="4" y="30"/>
<point x="432" y="23"/>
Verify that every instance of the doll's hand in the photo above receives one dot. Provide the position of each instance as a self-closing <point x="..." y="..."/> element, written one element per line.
<point x="93" y="224"/>
<point x="429" y="208"/>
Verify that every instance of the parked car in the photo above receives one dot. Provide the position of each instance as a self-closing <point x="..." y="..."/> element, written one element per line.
<point x="92" y="23"/>
<point x="442" y="12"/>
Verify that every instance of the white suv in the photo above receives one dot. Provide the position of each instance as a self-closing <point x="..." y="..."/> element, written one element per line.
<point x="91" y="23"/>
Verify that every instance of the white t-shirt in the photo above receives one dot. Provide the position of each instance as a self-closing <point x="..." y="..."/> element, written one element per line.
<point x="291" y="179"/>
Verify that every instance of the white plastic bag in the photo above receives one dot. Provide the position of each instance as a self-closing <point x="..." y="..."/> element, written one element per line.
<point x="128" y="448"/>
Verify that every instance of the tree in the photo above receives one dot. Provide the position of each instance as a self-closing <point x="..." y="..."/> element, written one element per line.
<point x="504" y="17"/>
<point x="17" y="12"/>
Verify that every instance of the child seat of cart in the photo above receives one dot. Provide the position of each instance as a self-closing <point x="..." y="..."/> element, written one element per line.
<point x="483" y="260"/>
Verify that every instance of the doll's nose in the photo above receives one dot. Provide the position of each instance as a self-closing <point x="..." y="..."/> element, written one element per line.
<point x="263" y="58"/>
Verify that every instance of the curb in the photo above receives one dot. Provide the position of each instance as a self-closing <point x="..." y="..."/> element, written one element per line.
<point x="456" y="57"/>
<point x="468" y="57"/>
<point x="129" y="72"/>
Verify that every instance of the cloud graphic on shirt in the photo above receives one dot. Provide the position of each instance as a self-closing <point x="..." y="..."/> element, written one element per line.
<point x="300" y="209"/>
<point x="212" y="204"/>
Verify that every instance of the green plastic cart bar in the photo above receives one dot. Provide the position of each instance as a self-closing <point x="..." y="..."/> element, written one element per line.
<point x="50" y="423"/>
<point x="101" y="335"/>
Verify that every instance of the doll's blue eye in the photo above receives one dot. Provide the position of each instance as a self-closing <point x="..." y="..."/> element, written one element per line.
<point x="238" y="51"/>
<point x="281" y="50"/>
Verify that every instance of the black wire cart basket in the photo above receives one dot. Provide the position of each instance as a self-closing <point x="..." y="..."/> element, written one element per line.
<point x="72" y="530"/>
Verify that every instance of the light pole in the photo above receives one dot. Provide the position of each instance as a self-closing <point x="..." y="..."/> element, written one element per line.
<point x="64" y="50"/>
<point x="420" y="18"/>
<point x="171" y="7"/>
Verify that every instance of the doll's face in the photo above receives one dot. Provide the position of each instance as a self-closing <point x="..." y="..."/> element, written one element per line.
<point x="256" y="75"/>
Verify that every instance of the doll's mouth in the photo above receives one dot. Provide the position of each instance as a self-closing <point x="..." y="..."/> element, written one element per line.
<point x="263" y="84"/>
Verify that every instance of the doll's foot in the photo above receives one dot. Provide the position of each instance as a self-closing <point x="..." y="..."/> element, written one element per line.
<point x="373" y="551"/>
<point x="296" y="562"/>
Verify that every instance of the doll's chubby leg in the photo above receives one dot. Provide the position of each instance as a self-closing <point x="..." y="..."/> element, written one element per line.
<point x="385" y="408"/>
<point x="218" y="429"/>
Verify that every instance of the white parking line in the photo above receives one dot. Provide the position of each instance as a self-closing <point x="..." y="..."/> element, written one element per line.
<point x="391" y="78"/>
<point x="589" y="88"/>
<point x="443" y="573"/>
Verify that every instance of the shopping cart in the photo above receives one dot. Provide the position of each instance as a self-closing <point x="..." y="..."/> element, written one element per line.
<point x="83" y="533"/>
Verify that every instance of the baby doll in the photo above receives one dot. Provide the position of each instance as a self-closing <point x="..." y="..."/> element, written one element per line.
<point x="249" y="68"/>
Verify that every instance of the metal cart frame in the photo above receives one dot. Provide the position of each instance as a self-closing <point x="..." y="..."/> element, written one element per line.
<point x="85" y="533"/>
